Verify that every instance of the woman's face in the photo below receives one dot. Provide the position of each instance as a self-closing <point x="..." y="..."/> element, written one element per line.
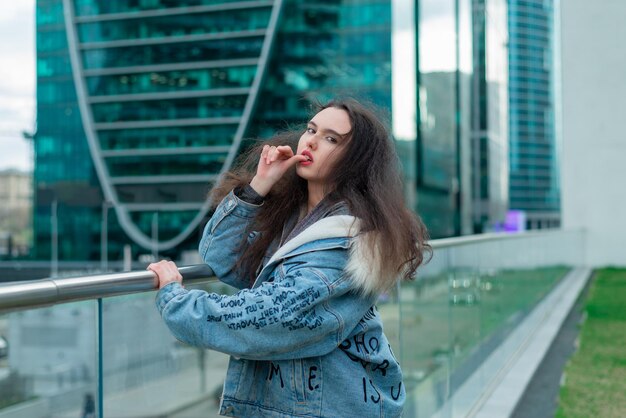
<point x="322" y="142"/>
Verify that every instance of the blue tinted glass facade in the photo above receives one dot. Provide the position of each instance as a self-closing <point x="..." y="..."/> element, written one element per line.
<point x="63" y="171"/>
<point x="489" y="144"/>
<point x="437" y="145"/>
<point x="460" y="152"/>
<point x="533" y="155"/>
<point x="438" y="158"/>
<point x="143" y="104"/>
<point x="326" y="49"/>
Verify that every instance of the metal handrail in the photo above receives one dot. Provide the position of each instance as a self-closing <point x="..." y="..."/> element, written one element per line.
<point x="495" y="236"/>
<point x="47" y="292"/>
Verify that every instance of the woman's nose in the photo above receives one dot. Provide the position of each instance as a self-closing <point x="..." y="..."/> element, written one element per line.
<point x="312" y="142"/>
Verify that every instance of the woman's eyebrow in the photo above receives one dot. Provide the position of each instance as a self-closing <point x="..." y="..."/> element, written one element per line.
<point x="331" y="131"/>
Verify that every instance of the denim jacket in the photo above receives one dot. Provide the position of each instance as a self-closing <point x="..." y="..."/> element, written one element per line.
<point x="306" y="339"/>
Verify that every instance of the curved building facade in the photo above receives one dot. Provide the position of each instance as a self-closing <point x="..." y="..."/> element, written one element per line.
<point x="147" y="74"/>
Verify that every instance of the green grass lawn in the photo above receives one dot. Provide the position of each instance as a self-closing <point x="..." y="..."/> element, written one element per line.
<point x="595" y="377"/>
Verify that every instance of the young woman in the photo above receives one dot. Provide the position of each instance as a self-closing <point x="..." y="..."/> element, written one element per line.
<point x="311" y="238"/>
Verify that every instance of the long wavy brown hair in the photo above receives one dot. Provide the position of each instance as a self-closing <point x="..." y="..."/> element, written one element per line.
<point x="370" y="183"/>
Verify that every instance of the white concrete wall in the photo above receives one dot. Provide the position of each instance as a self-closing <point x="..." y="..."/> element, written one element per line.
<point x="594" y="125"/>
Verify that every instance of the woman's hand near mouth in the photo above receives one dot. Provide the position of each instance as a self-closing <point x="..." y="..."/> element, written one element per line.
<point x="273" y="164"/>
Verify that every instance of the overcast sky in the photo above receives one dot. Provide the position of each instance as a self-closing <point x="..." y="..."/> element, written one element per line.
<point x="17" y="82"/>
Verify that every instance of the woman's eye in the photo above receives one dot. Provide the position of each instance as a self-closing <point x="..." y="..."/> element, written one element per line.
<point x="310" y="130"/>
<point x="331" y="139"/>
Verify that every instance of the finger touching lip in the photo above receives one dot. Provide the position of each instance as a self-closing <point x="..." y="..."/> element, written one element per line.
<point x="308" y="155"/>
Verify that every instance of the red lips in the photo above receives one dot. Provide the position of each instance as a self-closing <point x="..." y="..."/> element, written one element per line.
<point x="308" y="155"/>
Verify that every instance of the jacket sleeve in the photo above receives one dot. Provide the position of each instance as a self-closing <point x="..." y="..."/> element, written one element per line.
<point x="302" y="315"/>
<point x="222" y="236"/>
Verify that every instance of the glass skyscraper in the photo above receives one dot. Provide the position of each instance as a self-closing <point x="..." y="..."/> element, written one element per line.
<point x="459" y="166"/>
<point x="437" y="155"/>
<point x="142" y="104"/>
<point x="490" y="163"/>
<point x="534" y="185"/>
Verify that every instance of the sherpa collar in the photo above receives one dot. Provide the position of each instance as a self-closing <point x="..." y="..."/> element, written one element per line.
<point x="363" y="267"/>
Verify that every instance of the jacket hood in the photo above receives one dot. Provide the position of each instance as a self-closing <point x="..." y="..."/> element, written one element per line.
<point x="364" y="268"/>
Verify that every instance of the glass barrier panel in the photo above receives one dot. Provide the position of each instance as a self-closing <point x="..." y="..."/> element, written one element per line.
<point x="425" y="347"/>
<point x="48" y="361"/>
<point x="464" y="305"/>
<point x="147" y="372"/>
<point x="453" y="330"/>
<point x="466" y="298"/>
